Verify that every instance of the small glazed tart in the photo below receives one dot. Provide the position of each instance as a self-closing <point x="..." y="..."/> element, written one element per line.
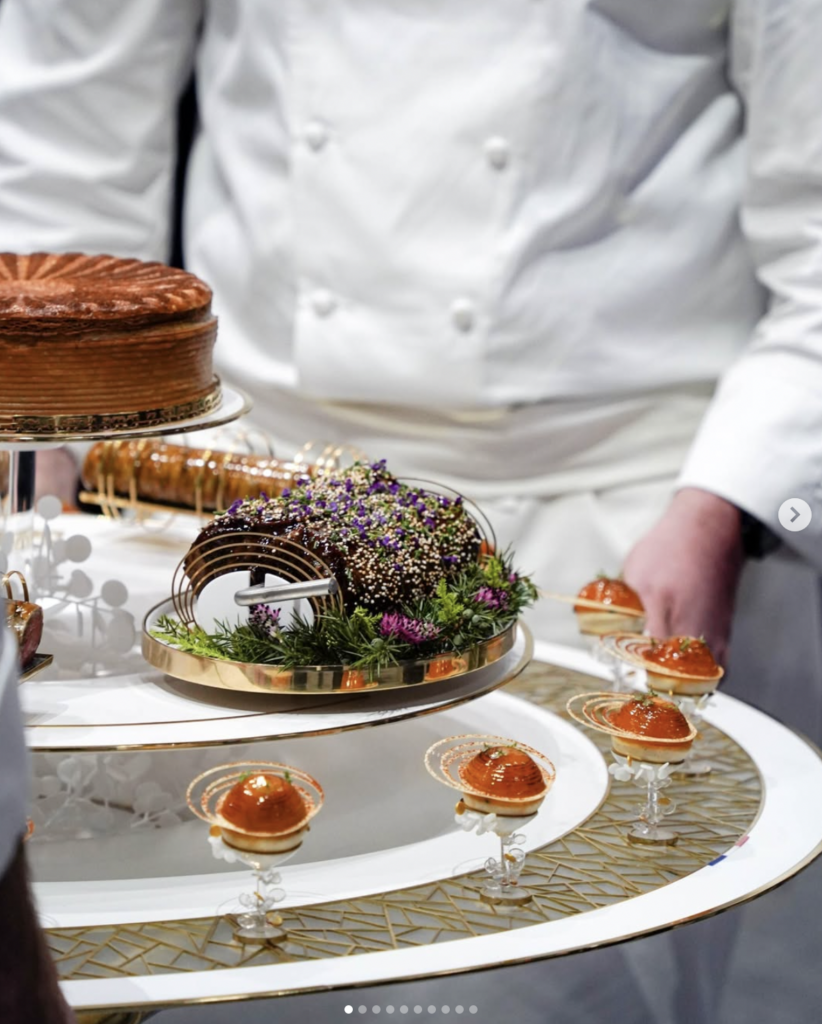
<point x="493" y="775"/>
<point x="642" y="726"/>
<point x="609" y="606"/>
<point x="680" y="664"/>
<point x="258" y="806"/>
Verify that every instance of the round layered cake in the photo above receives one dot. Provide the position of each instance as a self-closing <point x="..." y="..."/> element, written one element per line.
<point x="97" y="343"/>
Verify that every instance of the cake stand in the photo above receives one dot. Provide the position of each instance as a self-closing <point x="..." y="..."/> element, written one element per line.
<point x="16" y="508"/>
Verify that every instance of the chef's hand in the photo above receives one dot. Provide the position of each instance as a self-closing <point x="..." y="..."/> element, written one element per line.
<point x="686" y="569"/>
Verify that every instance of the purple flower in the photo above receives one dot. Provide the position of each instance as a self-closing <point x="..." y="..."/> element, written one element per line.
<point x="492" y="597"/>
<point x="410" y="631"/>
<point x="264" y="496"/>
<point x="265" y="618"/>
<point x="286" y="492"/>
<point x="235" y="506"/>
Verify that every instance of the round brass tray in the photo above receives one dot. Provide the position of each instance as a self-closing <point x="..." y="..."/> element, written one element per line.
<point x="314" y="679"/>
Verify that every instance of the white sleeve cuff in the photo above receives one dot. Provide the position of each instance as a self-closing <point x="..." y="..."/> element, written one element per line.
<point x="761" y="443"/>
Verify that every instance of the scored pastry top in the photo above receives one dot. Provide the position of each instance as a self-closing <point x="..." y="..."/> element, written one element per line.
<point x="44" y="292"/>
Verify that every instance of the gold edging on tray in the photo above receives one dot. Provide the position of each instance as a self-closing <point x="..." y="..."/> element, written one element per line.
<point x="443" y="705"/>
<point x="319" y="680"/>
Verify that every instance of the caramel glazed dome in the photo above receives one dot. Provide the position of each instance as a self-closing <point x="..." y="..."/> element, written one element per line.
<point x="385" y="542"/>
<point x="509" y="779"/>
<point x="93" y="343"/>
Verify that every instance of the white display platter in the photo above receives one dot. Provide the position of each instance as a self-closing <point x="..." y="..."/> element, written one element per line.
<point x="786" y="835"/>
<point x="385" y="823"/>
<point x="145" y="710"/>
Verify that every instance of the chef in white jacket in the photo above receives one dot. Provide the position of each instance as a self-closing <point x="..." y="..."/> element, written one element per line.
<point x="511" y="246"/>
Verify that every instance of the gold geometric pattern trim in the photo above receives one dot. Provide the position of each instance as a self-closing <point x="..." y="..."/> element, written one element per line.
<point x="593" y="866"/>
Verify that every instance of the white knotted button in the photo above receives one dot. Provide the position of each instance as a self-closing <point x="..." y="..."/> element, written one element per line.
<point x="463" y="314"/>
<point x="323" y="302"/>
<point x="497" y="152"/>
<point x="316" y="135"/>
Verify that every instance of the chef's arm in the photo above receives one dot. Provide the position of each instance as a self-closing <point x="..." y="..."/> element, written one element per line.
<point x="761" y="442"/>
<point x="88" y="99"/>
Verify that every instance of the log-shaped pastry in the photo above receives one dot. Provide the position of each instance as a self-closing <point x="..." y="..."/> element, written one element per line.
<point x="196" y="478"/>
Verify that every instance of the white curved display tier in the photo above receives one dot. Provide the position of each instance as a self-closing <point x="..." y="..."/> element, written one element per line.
<point x="144" y="710"/>
<point x="385" y="823"/>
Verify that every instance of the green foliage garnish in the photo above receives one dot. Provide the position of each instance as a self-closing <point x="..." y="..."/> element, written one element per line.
<point x="471" y="606"/>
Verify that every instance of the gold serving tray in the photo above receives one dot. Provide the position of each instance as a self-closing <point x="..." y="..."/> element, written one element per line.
<point x="314" y="679"/>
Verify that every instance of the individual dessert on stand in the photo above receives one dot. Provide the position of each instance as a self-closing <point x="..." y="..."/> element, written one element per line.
<point x="263" y="813"/>
<point x="502" y="785"/>
<point x="681" y="666"/>
<point x="259" y="812"/>
<point x="607" y="605"/>
<point x="397" y="586"/>
<point x="98" y="343"/>
<point x="503" y="780"/>
<point x="650" y="736"/>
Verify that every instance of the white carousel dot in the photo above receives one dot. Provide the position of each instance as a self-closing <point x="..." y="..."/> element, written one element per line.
<point x="78" y="548"/>
<point x="446" y="1009"/>
<point x="472" y="1009"/>
<point x="417" y="1009"/>
<point x="349" y="1008"/>
<point x="375" y="1009"/>
<point x="458" y="1009"/>
<point x="363" y="1009"/>
<point x="80" y="584"/>
<point x="432" y="1009"/>
<point x="49" y="507"/>
<point x="114" y="593"/>
<point x="389" y="1009"/>
<point x="403" y="1009"/>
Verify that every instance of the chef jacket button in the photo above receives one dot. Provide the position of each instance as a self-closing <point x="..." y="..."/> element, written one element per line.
<point x="497" y="152"/>
<point x="323" y="302"/>
<point x="316" y="135"/>
<point x="463" y="315"/>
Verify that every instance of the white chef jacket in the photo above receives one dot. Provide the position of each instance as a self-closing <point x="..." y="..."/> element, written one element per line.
<point x="459" y="204"/>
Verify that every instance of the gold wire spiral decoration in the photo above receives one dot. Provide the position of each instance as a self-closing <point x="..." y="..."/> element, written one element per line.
<point x="596" y="710"/>
<point x="237" y="550"/>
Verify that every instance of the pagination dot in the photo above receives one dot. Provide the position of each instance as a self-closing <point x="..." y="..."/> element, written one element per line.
<point x="458" y="1009"/>
<point x="349" y="1008"/>
<point x="472" y="1009"/>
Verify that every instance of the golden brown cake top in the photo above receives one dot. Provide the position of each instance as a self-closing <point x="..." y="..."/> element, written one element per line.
<point x="263" y="803"/>
<point x="44" y="293"/>
<point x="504" y="772"/>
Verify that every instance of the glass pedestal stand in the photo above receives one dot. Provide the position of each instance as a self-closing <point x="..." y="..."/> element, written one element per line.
<point x="255" y="925"/>
<point x="653" y="778"/>
<point x="693" y="707"/>
<point x="502" y="886"/>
